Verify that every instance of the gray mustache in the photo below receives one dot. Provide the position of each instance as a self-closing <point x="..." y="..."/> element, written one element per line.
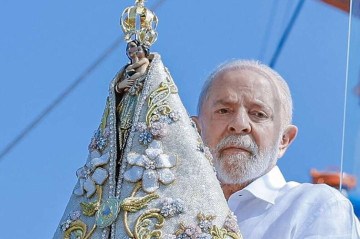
<point x="241" y="141"/>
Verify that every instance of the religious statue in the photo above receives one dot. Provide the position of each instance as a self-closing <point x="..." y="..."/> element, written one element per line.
<point x="128" y="86"/>
<point x="148" y="174"/>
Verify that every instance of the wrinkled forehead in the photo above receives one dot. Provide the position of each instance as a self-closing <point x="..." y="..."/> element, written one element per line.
<point x="243" y="78"/>
<point x="246" y="86"/>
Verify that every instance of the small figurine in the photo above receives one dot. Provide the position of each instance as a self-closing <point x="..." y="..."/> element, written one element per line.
<point x="128" y="85"/>
<point x="137" y="68"/>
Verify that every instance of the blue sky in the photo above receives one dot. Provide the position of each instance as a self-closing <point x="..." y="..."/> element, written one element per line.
<point x="46" y="45"/>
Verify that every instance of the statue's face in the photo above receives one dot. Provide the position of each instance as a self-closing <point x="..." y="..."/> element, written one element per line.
<point x="140" y="52"/>
<point x="132" y="49"/>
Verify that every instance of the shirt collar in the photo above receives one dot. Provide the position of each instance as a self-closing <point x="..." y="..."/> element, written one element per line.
<point x="265" y="188"/>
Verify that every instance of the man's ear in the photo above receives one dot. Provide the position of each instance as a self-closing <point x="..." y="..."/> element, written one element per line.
<point x="197" y="123"/>
<point x="287" y="138"/>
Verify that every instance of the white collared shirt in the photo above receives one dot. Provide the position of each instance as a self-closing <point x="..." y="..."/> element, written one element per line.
<point x="270" y="208"/>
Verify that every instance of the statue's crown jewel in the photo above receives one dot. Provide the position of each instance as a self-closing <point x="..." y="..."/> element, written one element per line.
<point x="138" y="22"/>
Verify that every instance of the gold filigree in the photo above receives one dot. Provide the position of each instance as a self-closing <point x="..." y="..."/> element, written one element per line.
<point x="181" y="229"/>
<point x="218" y="233"/>
<point x="126" y="225"/>
<point x="79" y="229"/>
<point x="222" y="233"/>
<point x="202" y="217"/>
<point x="134" y="204"/>
<point x="89" y="209"/>
<point x="202" y="227"/>
<point x="157" y="101"/>
<point x="144" y="224"/>
<point x="125" y="221"/>
<point x="234" y="235"/>
<point x="140" y="23"/>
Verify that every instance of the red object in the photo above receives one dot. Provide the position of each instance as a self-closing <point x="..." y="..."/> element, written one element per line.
<point x="341" y="4"/>
<point x="333" y="178"/>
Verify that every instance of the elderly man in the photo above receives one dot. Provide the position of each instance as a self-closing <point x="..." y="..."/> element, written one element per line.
<point x="245" y="113"/>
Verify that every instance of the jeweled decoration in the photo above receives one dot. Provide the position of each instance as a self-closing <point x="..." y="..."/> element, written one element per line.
<point x="171" y="207"/>
<point x="152" y="167"/>
<point x="99" y="140"/>
<point x="159" y="109"/>
<point x="91" y="175"/>
<point x="231" y="223"/>
<point x="73" y="216"/>
<point x="107" y="212"/>
<point x="205" y="229"/>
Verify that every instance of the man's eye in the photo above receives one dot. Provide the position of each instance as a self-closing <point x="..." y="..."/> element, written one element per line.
<point x="260" y="115"/>
<point x="222" y="111"/>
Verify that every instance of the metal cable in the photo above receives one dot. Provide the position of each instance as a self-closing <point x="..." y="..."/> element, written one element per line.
<point x="286" y="33"/>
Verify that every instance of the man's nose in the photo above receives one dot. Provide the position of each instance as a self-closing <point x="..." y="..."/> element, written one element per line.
<point x="240" y="123"/>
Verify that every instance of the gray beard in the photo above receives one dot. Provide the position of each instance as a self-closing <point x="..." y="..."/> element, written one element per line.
<point x="243" y="168"/>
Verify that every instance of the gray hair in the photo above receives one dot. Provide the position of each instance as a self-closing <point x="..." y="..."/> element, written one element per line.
<point x="267" y="72"/>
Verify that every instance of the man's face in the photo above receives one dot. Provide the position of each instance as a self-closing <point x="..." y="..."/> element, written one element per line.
<point x="240" y="121"/>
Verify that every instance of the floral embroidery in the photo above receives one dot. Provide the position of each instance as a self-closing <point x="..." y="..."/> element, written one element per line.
<point x="205" y="221"/>
<point x="73" y="216"/>
<point x="99" y="140"/>
<point x="91" y="175"/>
<point x="157" y="130"/>
<point x="231" y="223"/>
<point x="205" y="229"/>
<point x="152" y="167"/>
<point x="140" y="127"/>
<point x="188" y="232"/>
<point x="170" y="118"/>
<point x="145" y="138"/>
<point x="201" y="231"/>
<point x="174" y="116"/>
<point x="171" y="207"/>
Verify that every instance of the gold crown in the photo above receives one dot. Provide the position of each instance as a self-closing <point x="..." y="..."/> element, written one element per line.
<point x="138" y="22"/>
